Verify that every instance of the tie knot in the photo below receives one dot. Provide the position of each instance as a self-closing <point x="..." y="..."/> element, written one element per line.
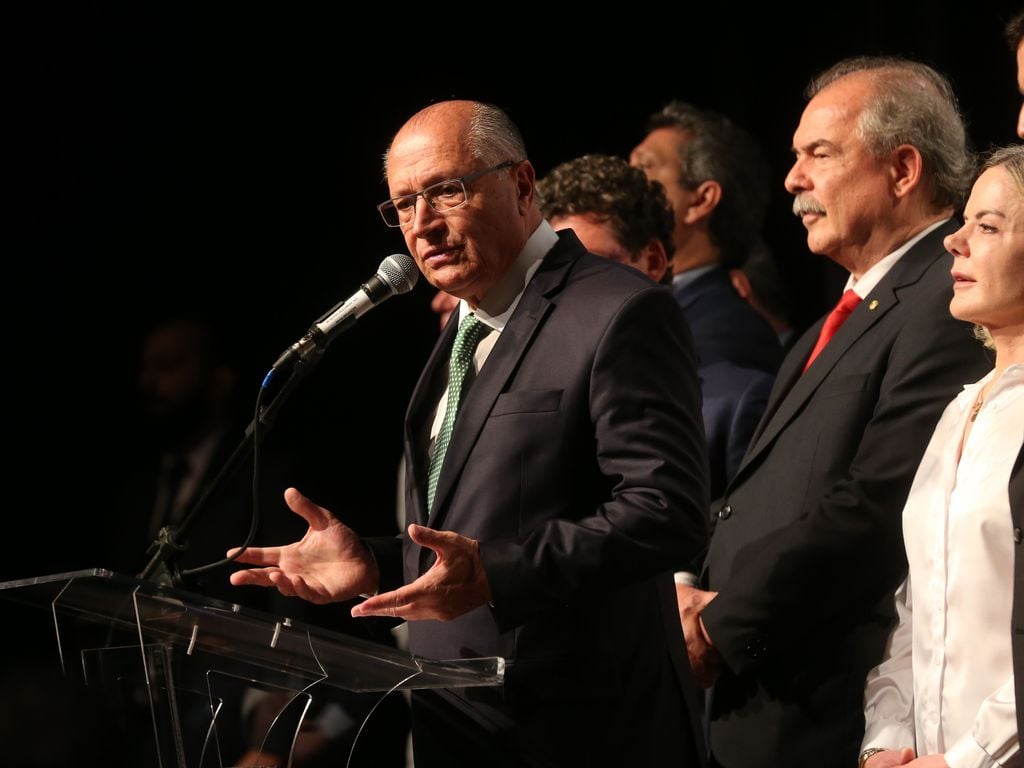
<point x="471" y="330"/>
<point x="848" y="302"/>
<point x="836" y="318"/>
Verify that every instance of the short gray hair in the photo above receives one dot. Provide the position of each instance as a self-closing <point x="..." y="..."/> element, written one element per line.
<point x="490" y="134"/>
<point x="913" y="104"/>
<point x="493" y="137"/>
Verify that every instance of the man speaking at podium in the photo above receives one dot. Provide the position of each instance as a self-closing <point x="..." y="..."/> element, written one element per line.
<point x="555" y="476"/>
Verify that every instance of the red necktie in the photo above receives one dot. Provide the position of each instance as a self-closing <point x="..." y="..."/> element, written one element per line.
<point x="836" y="318"/>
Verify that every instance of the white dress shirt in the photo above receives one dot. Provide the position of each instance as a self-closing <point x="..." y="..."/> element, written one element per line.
<point x="945" y="685"/>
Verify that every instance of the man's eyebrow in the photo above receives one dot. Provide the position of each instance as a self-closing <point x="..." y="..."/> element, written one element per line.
<point x="816" y="144"/>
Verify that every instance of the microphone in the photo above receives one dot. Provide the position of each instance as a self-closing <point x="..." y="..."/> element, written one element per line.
<point x="396" y="274"/>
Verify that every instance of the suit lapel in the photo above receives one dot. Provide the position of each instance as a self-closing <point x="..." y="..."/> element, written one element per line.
<point x="419" y="416"/>
<point x="804" y="385"/>
<point x="476" y="407"/>
<point x="794" y="388"/>
<point x="788" y="375"/>
<point x="502" y="362"/>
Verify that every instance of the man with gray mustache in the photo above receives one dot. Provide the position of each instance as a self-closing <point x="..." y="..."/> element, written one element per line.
<point x="804" y="204"/>
<point x="807" y="548"/>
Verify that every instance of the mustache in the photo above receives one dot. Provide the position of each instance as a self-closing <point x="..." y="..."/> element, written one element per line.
<point x="806" y="204"/>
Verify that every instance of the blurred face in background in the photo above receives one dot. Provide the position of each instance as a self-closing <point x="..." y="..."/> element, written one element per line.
<point x="658" y="157"/>
<point x="179" y="384"/>
<point x="443" y="304"/>
<point x="598" y="237"/>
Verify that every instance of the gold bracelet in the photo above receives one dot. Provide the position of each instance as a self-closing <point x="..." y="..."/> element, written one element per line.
<point x="868" y="753"/>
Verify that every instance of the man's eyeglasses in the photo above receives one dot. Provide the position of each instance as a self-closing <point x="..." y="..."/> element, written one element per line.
<point x="442" y="197"/>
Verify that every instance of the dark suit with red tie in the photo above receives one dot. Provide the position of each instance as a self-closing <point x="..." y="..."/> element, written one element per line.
<point x="807" y="548"/>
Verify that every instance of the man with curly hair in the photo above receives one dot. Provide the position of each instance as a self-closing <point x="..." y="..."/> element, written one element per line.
<point x="614" y="210"/>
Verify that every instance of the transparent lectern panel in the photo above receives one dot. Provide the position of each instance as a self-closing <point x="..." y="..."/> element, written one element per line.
<point x="244" y="638"/>
<point x="191" y="682"/>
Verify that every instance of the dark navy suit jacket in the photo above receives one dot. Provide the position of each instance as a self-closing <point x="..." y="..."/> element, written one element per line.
<point x="738" y="354"/>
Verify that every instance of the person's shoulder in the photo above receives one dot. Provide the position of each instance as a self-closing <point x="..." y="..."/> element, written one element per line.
<point x="597" y="275"/>
<point x="713" y="295"/>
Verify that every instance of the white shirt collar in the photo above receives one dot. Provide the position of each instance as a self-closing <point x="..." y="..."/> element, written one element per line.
<point x="501" y="301"/>
<point x="685" y="279"/>
<point x="874" y="275"/>
<point x="1013" y="377"/>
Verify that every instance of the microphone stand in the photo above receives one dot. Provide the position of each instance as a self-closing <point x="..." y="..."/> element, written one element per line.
<point x="170" y="541"/>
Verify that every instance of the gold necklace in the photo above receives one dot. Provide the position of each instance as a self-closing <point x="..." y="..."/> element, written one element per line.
<point x="976" y="408"/>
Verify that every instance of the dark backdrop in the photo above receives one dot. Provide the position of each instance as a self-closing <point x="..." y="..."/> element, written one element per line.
<point x="231" y="157"/>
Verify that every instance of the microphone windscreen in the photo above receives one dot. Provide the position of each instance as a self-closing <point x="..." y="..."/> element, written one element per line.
<point x="399" y="271"/>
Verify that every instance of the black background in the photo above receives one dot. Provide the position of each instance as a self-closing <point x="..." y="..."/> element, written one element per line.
<point x="163" y="157"/>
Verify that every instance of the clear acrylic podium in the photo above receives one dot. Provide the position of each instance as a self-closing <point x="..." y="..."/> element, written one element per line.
<point x="175" y="653"/>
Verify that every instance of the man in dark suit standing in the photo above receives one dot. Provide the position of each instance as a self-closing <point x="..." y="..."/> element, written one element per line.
<point x="807" y="548"/>
<point x="717" y="183"/>
<point x="555" y="475"/>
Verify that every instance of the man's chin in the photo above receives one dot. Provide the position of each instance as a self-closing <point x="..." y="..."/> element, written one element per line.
<point x="818" y="245"/>
<point x="448" y="279"/>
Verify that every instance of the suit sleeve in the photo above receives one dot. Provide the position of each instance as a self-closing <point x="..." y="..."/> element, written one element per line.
<point x="644" y="403"/>
<point x="846" y="554"/>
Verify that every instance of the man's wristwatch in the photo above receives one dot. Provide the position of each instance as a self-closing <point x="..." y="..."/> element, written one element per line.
<point x="868" y="753"/>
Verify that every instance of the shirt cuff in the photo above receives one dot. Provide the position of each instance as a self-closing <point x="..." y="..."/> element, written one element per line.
<point x="967" y="753"/>
<point x="889" y="734"/>
<point x="685" y="578"/>
<point x="373" y="557"/>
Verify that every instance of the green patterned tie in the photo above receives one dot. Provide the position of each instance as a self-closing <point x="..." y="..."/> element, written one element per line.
<point x="470" y="332"/>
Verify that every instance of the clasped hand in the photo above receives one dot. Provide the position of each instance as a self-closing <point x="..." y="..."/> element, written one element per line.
<point x="330" y="563"/>
<point x="705" y="661"/>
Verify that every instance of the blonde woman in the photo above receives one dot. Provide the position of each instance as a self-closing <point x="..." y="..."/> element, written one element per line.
<point x="944" y="693"/>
